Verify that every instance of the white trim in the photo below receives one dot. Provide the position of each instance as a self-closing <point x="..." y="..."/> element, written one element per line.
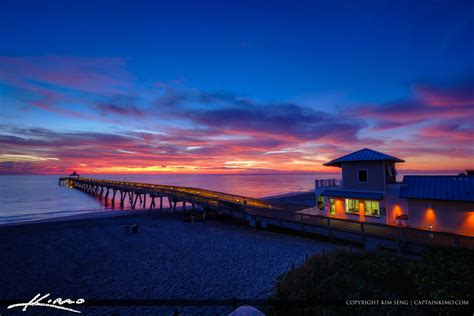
<point x="367" y="172"/>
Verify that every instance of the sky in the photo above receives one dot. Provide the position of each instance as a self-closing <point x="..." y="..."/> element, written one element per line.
<point x="234" y="86"/>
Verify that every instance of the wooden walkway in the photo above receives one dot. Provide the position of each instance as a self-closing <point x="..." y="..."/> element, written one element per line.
<point x="264" y="214"/>
<point x="135" y="192"/>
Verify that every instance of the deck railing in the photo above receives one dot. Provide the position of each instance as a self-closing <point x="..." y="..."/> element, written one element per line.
<point x="190" y="193"/>
<point x="404" y="234"/>
<point x="322" y="183"/>
<point x="284" y="212"/>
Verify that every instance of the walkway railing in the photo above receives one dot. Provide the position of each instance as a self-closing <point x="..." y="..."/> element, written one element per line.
<point x="285" y="212"/>
<point x="402" y="234"/>
<point x="197" y="194"/>
<point x="323" y="183"/>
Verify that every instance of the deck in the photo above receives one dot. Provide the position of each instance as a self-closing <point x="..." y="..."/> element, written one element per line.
<point x="264" y="214"/>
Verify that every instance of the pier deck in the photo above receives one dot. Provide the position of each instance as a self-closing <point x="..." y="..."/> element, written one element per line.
<point x="265" y="214"/>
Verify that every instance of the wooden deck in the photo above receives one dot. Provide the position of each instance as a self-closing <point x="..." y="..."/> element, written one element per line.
<point x="133" y="192"/>
<point x="263" y="214"/>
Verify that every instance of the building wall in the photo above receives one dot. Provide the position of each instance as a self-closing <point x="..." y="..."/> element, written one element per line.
<point x="375" y="171"/>
<point x="397" y="207"/>
<point x="446" y="216"/>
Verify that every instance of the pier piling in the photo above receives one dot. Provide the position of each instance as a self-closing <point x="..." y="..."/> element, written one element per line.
<point x="260" y="211"/>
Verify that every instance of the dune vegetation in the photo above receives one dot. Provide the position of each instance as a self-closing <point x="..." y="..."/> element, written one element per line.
<point x="336" y="277"/>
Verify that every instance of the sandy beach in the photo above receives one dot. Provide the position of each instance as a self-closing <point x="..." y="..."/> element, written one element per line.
<point x="94" y="258"/>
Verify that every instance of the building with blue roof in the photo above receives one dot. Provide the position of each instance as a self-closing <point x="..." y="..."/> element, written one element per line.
<point x="445" y="188"/>
<point x="369" y="192"/>
<point x="365" y="154"/>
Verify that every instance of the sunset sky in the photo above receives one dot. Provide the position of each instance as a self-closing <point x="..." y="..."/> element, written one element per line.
<point x="234" y="86"/>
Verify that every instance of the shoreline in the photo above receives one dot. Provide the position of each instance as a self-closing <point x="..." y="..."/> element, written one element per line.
<point x="290" y="197"/>
<point x="99" y="214"/>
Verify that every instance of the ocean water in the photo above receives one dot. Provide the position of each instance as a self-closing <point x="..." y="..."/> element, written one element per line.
<point x="34" y="197"/>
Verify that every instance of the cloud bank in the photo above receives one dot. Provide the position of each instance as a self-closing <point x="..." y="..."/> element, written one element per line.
<point x="113" y="122"/>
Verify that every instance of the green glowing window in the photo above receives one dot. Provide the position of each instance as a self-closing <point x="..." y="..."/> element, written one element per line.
<point x="352" y="206"/>
<point x="372" y="208"/>
<point x="321" y="203"/>
<point x="332" y="204"/>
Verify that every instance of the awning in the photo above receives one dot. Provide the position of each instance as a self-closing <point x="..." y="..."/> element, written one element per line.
<point x="352" y="194"/>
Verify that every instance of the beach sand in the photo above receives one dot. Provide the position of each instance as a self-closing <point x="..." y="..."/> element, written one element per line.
<point x="168" y="258"/>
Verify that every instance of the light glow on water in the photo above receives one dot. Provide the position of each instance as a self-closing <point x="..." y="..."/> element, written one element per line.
<point x="33" y="197"/>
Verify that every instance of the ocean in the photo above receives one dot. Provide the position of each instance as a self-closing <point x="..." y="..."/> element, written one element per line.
<point x="34" y="197"/>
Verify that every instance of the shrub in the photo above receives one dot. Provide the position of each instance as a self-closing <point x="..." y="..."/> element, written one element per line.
<point x="339" y="276"/>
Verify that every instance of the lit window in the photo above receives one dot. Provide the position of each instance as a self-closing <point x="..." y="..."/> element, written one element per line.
<point x="321" y="203"/>
<point x="332" y="205"/>
<point x="352" y="206"/>
<point x="372" y="208"/>
<point x="362" y="175"/>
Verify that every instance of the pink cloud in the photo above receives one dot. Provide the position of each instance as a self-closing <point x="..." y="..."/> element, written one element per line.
<point x="454" y="131"/>
<point x="88" y="74"/>
<point x="428" y="103"/>
<point x="53" y="82"/>
<point x="462" y="95"/>
<point x="188" y="127"/>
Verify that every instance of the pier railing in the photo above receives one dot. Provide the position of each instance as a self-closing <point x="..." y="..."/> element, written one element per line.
<point x="190" y="193"/>
<point x="282" y="212"/>
<point x="402" y="234"/>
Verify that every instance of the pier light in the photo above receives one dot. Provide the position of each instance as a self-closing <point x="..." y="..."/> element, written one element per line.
<point x="361" y="207"/>
<point x="468" y="224"/>
<point x="398" y="211"/>
<point x="430" y="214"/>
<point x="429" y="217"/>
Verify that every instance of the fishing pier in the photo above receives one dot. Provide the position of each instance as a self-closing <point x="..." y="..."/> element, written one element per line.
<point x="264" y="214"/>
<point x="131" y="193"/>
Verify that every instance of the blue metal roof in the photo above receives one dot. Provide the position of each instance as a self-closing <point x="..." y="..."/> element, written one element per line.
<point x="365" y="154"/>
<point x="450" y="188"/>
<point x="353" y="194"/>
